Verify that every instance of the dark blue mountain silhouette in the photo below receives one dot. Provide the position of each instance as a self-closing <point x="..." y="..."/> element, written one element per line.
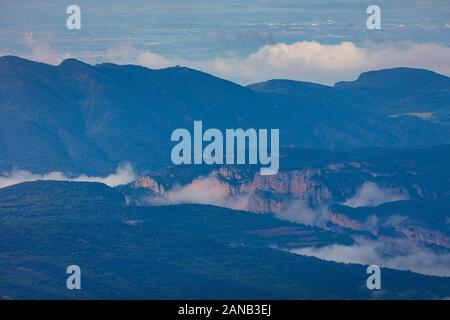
<point x="76" y="117"/>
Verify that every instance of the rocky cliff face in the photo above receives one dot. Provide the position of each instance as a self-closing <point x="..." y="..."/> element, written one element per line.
<point x="318" y="177"/>
<point x="315" y="185"/>
<point x="267" y="202"/>
<point x="301" y="184"/>
<point x="346" y="222"/>
<point x="149" y="183"/>
<point x="328" y="184"/>
<point x="425" y="235"/>
<point x="273" y="193"/>
<point x="409" y="229"/>
<point x="267" y="193"/>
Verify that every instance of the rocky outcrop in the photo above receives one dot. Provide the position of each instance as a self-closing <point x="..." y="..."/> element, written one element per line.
<point x="267" y="193"/>
<point x="299" y="184"/>
<point x="273" y="194"/>
<point x="346" y="222"/>
<point x="147" y="182"/>
<point x="407" y="228"/>
<point x="426" y="235"/>
<point x="266" y="202"/>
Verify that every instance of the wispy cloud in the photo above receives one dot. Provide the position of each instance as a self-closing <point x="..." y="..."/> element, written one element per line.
<point x="368" y="195"/>
<point x="300" y="212"/>
<point x="40" y="49"/>
<point x="124" y="174"/>
<point x="302" y="60"/>
<point x="372" y="195"/>
<point x="203" y="190"/>
<point x="313" y="61"/>
<point x="394" y="254"/>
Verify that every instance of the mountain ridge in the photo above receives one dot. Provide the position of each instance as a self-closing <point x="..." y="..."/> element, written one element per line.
<point x="82" y="118"/>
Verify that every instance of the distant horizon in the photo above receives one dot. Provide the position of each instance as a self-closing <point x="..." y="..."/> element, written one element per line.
<point x="218" y="76"/>
<point x="316" y="41"/>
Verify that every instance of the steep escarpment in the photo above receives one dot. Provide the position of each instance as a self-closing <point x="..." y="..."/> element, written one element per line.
<point x="371" y="180"/>
<point x="423" y="220"/>
<point x="267" y="193"/>
<point x="319" y="177"/>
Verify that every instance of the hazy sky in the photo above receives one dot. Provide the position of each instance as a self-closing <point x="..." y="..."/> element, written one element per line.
<point x="222" y="37"/>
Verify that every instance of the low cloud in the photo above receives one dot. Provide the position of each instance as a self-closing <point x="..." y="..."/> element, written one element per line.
<point x="372" y="195"/>
<point x="124" y="174"/>
<point x="395" y="220"/>
<point x="40" y="49"/>
<point x="153" y="60"/>
<point x="204" y="190"/>
<point x="302" y="60"/>
<point x="313" y="61"/>
<point x="300" y="212"/>
<point x="394" y="254"/>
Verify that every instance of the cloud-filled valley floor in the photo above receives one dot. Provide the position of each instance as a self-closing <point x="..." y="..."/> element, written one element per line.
<point x="398" y="254"/>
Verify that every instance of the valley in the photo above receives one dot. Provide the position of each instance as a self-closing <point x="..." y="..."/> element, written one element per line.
<point x="363" y="178"/>
<point x="174" y="252"/>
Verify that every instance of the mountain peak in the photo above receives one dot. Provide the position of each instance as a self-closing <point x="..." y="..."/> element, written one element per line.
<point x="73" y="63"/>
<point x="14" y="61"/>
<point x="398" y="77"/>
<point x="11" y="59"/>
<point x="48" y="194"/>
<point x="14" y="66"/>
<point x="288" y="87"/>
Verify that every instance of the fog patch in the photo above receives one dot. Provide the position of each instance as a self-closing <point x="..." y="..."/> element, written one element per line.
<point x="204" y="190"/>
<point x="124" y="174"/>
<point x="395" y="220"/>
<point x="395" y="254"/>
<point x="300" y="211"/>
<point x="372" y="195"/>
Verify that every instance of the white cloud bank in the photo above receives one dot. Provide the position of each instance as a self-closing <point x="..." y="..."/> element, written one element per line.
<point x="313" y="61"/>
<point x="203" y="190"/>
<point x="300" y="212"/>
<point x="211" y="190"/>
<point x="368" y="195"/>
<point x="372" y="195"/>
<point x="302" y="60"/>
<point x="124" y="174"/>
<point x="395" y="254"/>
